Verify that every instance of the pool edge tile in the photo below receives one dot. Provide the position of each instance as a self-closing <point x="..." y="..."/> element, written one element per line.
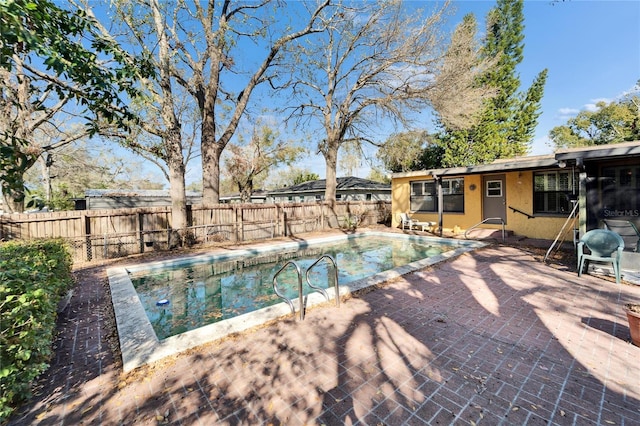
<point x="140" y="346"/>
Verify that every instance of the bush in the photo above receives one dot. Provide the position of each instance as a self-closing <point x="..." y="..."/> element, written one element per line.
<point x="33" y="278"/>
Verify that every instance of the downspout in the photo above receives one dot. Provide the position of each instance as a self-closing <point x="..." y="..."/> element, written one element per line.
<point x="440" y="202"/>
<point x="582" y="196"/>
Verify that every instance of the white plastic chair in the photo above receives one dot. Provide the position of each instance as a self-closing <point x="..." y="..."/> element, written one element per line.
<point x="407" y="221"/>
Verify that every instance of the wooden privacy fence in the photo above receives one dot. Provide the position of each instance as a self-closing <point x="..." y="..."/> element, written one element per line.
<point x="103" y="234"/>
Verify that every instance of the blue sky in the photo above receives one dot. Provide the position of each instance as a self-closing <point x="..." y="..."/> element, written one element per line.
<point x="591" y="49"/>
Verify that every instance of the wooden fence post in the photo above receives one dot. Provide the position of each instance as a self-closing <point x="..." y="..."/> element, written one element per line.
<point x="139" y="231"/>
<point x="281" y="220"/>
<point x="87" y="231"/>
<point x="166" y="218"/>
<point x="236" y="225"/>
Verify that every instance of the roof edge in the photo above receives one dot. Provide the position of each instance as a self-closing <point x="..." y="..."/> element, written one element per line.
<point x="511" y="164"/>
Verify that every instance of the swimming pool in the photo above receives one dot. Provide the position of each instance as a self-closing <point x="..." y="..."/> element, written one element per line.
<point x="182" y="297"/>
<point x="205" y="286"/>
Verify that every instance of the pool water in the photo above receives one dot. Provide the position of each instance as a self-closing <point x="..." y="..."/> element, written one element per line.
<point x="184" y="297"/>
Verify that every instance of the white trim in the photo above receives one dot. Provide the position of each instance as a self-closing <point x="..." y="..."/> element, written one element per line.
<point x="487" y="188"/>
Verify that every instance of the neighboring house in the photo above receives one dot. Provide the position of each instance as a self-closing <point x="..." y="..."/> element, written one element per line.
<point x="97" y="199"/>
<point x="533" y="195"/>
<point x="348" y="189"/>
<point x="258" y="196"/>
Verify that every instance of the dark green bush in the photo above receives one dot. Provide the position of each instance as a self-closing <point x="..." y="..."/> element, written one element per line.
<point x="33" y="277"/>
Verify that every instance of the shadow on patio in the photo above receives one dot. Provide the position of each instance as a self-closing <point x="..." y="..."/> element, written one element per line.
<point x="491" y="337"/>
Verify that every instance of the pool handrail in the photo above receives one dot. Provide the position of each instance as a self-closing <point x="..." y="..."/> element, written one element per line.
<point x="275" y="288"/>
<point x="483" y="221"/>
<point x="320" y="289"/>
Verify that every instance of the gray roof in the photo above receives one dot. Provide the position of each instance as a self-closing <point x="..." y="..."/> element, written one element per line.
<point x="256" y="193"/>
<point x="508" y="164"/>
<point x="350" y="183"/>
<point x="625" y="149"/>
<point x="104" y="193"/>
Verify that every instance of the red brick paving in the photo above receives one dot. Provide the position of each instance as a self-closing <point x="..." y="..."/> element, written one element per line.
<point x="492" y="337"/>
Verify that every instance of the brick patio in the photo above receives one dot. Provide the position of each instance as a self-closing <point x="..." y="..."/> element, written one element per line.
<point x="492" y="337"/>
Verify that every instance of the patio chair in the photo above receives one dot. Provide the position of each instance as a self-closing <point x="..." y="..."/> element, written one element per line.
<point x="603" y="246"/>
<point x="407" y="221"/>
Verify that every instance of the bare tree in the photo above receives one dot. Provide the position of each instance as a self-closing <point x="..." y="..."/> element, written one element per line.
<point x="162" y="133"/>
<point x="209" y="63"/>
<point x="72" y="169"/>
<point x="290" y="176"/>
<point x="378" y="61"/>
<point x="250" y="163"/>
<point x="202" y="48"/>
<point x="32" y="112"/>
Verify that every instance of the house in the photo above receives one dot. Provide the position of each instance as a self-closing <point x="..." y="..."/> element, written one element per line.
<point x="349" y="188"/>
<point x="535" y="197"/>
<point x="258" y="196"/>
<point x="609" y="182"/>
<point x="98" y="199"/>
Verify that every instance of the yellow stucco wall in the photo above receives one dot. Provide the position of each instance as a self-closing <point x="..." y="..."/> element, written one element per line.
<point x="519" y="194"/>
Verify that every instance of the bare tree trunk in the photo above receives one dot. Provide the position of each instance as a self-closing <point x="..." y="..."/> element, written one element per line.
<point x="14" y="203"/>
<point x="210" y="171"/>
<point x="22" y="131"/>
<point x="45" y="170"/>
<point x="172" y="136"/>
<point x="177" y="192"/>
<point x="331" y="161"/>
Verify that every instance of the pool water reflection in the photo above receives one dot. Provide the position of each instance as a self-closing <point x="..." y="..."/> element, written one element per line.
<point x="183" y="297"/>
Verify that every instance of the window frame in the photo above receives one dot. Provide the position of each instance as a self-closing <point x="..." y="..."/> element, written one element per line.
<point x="554" y="201"/>
<point x="489" y="189"/>
<point x="453" y="195"/>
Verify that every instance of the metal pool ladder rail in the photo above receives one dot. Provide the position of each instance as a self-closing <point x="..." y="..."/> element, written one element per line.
<point x="335" y="281"/>
<point x="282" y="296"/>
<point x="300" y="294"/>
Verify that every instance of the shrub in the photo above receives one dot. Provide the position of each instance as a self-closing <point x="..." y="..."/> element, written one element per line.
<point x="33" y="278"/>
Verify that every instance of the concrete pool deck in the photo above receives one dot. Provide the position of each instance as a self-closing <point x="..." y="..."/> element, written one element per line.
<point x="491" y="337"/>
<point x="139" y="344"/>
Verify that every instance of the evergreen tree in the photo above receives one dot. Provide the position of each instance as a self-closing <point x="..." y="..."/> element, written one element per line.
<point x="507" y="123"/>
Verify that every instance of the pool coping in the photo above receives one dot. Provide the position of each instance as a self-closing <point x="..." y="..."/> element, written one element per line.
<point x="139" y="344"/>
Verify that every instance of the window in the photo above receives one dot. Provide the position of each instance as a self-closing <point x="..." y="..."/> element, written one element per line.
<point x="368" y="197"/>
<point x="494" y="188"/>
<point x="338" y="197"/>
<point x="620" y="188"/>
<point x="553" y="192"/>
<point x="424" y="195"/>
